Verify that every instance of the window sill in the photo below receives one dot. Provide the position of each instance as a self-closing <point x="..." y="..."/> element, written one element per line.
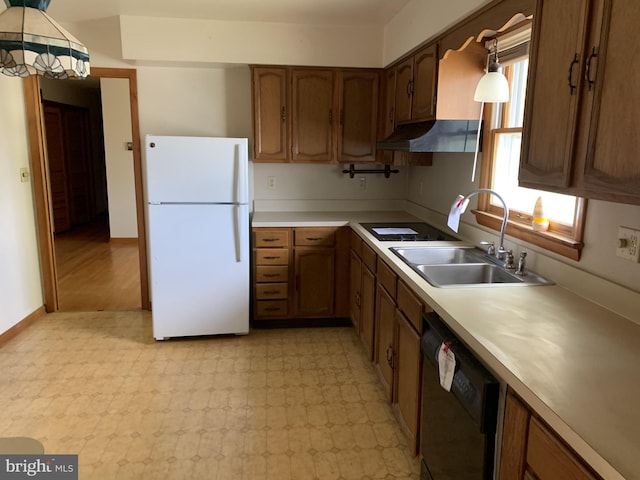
<point x="553" y="242"/>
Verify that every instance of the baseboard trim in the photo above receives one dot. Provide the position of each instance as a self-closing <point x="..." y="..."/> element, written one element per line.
<point x="124" y="240"/>
<point x="22" y="325"/>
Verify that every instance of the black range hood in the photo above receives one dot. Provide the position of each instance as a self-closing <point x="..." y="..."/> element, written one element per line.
<point x="434" y="136"/>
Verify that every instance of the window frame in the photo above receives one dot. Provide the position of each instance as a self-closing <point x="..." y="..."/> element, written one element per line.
<point x="562" y="239"/>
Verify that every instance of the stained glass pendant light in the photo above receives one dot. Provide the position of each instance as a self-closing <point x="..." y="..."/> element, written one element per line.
<point x="32" y="43"/>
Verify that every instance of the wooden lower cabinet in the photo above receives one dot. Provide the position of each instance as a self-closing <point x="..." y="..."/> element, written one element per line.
<point x="408" y="378"/>
<point x="532" y="451"/>
<point x="385" y="339"/>
<point x="314" y="291"/>
<point x="300" y="273"/>
<point x="363" y="292"/>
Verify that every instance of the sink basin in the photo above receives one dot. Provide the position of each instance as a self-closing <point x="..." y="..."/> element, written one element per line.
<point x="466" y="274"/>
<point x="462" y="267"/>
<point x="438" y="255"/>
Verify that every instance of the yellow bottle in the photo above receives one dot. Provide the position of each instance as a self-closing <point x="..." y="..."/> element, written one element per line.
<point x="540" y="222"/>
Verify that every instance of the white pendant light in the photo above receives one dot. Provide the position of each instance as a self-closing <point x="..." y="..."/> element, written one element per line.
<point x="32" y="43"/>
<point x="493" y="87"/>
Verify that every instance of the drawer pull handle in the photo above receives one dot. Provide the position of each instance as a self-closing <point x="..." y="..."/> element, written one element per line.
<point x="272" y="258"/>
<point x="271" y="292"/>
<point x="272" y="309"/>
<point x="271" y="275"/>
<point x="314" y="239"/>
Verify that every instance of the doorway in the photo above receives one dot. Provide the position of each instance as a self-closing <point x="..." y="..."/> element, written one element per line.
<point x="86" y="245"/>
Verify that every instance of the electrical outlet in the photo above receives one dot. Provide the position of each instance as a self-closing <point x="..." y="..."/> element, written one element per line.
<point x="628" y="247"/>
<point x="24" y="175"/>
<point x="363" y="183"/>
<point x="271" y="183"/>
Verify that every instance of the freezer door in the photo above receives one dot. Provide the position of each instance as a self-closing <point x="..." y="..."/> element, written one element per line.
<point x="199" y="269"/>
<point x="196" y="169"/>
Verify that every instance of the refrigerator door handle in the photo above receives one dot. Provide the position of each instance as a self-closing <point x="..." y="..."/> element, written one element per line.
<point x="242" y="167"/>
<point x="237" y="234"/>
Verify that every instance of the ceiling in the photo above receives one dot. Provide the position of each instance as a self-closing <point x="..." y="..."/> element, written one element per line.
<point x="313" y="12"/>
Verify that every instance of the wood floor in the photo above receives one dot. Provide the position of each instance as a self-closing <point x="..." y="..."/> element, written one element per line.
<point x="96" y="273"/>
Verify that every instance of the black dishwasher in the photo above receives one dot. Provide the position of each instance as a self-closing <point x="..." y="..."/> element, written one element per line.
<point x="457" y="440"/>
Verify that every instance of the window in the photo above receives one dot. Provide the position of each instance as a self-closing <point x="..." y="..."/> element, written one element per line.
<point x="502" y="147"/>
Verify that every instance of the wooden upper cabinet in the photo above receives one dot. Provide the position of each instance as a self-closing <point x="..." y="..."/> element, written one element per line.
<point x="270" y="112"/>
<point x="552" y="98"/>
<point x="415" y="91"/>
<point x="581" y="112"/>
<point x="315" y="115"/>
<point x="358" y="95"/>
<point x="404" y="78"/>
<point x="423" y="91"/>
<point x="312" y="116"/>
<point x="612" y="168"/>
<point x="388" y="114"/>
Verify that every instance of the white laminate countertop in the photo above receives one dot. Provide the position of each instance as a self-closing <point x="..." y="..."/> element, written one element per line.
<point x="575" y="363"/>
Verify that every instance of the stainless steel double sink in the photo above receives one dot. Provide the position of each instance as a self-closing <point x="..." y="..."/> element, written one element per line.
<point x="463" y="267"/>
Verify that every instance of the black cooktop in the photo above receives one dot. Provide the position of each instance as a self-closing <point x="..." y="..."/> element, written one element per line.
<point x="406" y="232"/>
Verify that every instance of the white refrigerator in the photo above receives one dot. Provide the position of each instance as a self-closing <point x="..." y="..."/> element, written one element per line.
<point x="198" y="236"/>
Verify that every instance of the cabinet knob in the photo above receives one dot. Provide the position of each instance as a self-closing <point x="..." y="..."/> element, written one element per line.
<point x="283" y="114"/>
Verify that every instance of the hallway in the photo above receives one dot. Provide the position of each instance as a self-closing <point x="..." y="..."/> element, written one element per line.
<point x="96" y="273"/>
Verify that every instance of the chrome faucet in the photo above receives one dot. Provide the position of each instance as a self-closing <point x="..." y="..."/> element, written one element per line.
<point x="501" y="254"/>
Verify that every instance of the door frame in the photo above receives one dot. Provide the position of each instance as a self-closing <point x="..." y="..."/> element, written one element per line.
<point x="41" y="190"/>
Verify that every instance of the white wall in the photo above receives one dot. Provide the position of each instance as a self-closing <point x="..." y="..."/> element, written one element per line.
<point x="325" y="187"/>
<point x="436" y="187"/>
<point x="121" y="192"/>
<point x="154" y="39"/>
<point x="20" y="285"/>
<point x="421" y="20"/>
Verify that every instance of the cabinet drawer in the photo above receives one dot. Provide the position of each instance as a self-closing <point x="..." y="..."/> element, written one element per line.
<point x="276" y="291"/>
<point x="387" y="278"/>
<point x="271" y="308"/>
<point x="410" y="305"/>
<point x="356" y="243"/>
<point x="369" y="257"/>
<point x="271" y="238"/>
<point x="265" y="273"/>
<point x="314" y="236"/>
<point x="272" y="256"/>
<point x="549" y="458"/>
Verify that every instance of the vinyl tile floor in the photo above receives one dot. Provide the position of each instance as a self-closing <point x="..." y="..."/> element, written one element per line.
<point x="277" y="404"/>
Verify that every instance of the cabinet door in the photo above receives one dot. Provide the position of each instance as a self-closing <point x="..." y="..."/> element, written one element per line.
<point x="423" y="106"/>
<point x="612" y="165"/>
<point x="314" y="293"/>
<point x="57" y="168"/>
<point x="408" y="374"/>
<point x="514" y="439"/>
<point x="388" y="112"/>
<point x="404" y="79"/>
<point x="385" y="335"/>
<point x="355" y="295"/>
<point x="558" y="52"/>
<point x="270" y="114"/>
<point x="312" y="116"/>
<point x="367" y="310"/>
<point x="358" y="116"/>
